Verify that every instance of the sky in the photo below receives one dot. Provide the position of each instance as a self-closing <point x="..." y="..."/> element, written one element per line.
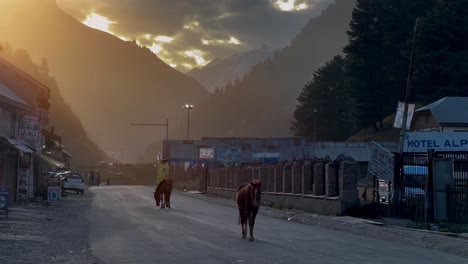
<point x="190" y="33"/>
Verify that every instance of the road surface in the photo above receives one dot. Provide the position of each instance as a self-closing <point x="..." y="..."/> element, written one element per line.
<point x="126" y="227"/>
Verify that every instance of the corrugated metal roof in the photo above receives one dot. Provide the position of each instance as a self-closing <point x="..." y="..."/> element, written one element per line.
<point x="449" y="110"/>
<point x="67" y="153"/>
<point x="7" y="93"/>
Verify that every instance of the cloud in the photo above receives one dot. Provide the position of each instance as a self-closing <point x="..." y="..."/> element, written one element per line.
<point x="215" y="28"/>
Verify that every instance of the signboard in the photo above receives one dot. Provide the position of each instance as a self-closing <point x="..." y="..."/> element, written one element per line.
<point x="54" y="195"/>
<point x="381" y="162"/>
<point x="439" y="141"/>
<point x="399" y="115"/>
<point x="228" y="156"/>
<point x="4" y="198"/>
<point x="29" y="128"/>
<point x="206" y="153"/>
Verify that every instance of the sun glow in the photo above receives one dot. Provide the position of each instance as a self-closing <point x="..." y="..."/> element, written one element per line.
<point x="197" y="55"/>
<point x="231" y="40"/>
<point x="98" y="22"/>
<point x="164" y="39"/>
<point x="290" y="5"/>
<point x="155" y="48"/>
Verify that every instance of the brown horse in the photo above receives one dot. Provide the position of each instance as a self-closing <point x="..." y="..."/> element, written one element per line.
<point x="248" y="200"/>
<point x="162" y="194"/>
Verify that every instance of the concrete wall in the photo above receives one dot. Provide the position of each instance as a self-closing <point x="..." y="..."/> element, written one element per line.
<point x="329" y="189"/>
<point x="308" y="203"/>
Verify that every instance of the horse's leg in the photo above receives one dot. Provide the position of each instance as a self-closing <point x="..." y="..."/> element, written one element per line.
<point x="252" y="217"/>
<point x="169" y="200"/>
<point x="243" y="223"/>
<point x="163" y="201"/>
<point x="166" y="199"/>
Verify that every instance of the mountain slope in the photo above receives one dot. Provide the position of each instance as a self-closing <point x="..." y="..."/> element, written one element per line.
<point x="66" y="123"/>
<point x="220" y="72"/>
<point x="109" y="83"/>
<point x="262" y="103"/>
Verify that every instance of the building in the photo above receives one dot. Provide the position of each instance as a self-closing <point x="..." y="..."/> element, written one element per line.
<point x="449" y="114"/>
<point x="25" y="107"/>
<point x="12" y="151"/>
<point x="229" y="151"/>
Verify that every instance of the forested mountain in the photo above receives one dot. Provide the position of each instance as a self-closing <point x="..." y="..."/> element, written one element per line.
<point x="262" y="103"/>
<point x="373" y="73"/>
<point x="65" y="122"/>
<point x="109" y="82"/>
<point x="220" y="72"/>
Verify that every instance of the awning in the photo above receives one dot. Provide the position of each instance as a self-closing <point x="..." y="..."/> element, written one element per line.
<point x="52" y="161"/>
<point x="67" y="153"/>
<point x="17" y="144"/>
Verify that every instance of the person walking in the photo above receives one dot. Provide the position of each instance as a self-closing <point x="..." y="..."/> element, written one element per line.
<point x="91" y="178"/>
<point x="45" y="183"/>
<point x="162" y="171"/>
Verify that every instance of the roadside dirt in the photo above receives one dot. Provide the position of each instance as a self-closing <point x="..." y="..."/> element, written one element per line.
<point x="38" y="233"/>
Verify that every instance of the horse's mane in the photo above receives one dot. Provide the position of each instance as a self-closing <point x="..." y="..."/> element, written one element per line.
<point x="242" y="186"/>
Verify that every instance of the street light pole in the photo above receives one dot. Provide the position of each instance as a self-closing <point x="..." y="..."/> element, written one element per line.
<point x="188" y="107"/>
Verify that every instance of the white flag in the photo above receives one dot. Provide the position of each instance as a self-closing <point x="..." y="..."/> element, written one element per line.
<point x="399" y="115"/>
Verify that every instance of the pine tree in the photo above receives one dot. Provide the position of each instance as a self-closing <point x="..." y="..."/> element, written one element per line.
<point x="442" y="52"/>
<point x="324" y="102"/>
<point x="378" y="55"/>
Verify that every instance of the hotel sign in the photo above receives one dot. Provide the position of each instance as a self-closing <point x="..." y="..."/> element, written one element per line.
<point x="439" y="141"/>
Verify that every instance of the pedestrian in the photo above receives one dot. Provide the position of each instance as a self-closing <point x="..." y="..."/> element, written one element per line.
<point x="162" y="171"/>
<point x="91" y="178"/>
<point x="45" y="183"/>
<point x="98" y="179"/>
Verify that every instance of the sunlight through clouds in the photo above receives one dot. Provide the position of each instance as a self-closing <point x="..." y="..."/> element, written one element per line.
<point x="185" y="35"/>
<point x="155" y="48"/>
<point x="164" y="39"/>
<point x="98" y="22"/>
<point x="290" y="5"/>
<point x="234" y="41"/>
<point x="231" y="40"/>
<point x="192" y="25"/>
<point x="197" y="55"/>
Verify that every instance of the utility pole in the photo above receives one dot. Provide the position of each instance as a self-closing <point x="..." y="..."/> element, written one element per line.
<point x="157" y="124"/>
<point x="315" y="122"/>
<point x="408" y="87"/>
<point x="395" y="197"/>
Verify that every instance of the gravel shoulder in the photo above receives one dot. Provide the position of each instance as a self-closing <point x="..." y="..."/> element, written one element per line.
<point x="384" y="231"/>
<point x="38" y="233"/>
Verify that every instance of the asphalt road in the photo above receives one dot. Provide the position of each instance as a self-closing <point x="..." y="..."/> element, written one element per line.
<point x="126" y="227"/>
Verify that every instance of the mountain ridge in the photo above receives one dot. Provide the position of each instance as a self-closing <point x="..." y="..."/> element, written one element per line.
<point x="109" y="82"/>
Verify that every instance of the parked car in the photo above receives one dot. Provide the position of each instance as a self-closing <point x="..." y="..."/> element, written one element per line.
<point x="73" y="181"/>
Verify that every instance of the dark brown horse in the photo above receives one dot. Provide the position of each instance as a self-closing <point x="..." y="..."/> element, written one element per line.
<point x="162" y="194"/>
<point x="248" y="200"/>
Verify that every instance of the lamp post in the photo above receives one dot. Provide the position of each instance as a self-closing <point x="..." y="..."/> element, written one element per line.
<point x="188" y="107"/>
<point x="315" y="117"/>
